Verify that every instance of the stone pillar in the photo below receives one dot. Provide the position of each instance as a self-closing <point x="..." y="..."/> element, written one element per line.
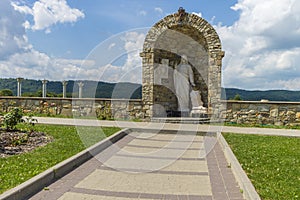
<point x="44" y="88"/>
<point x="64" y="83"/>
<point x="19" y="89"/>
<point x="214" y="85"/>
<point x="148" y="82"/>
<point x="80" y="84"/>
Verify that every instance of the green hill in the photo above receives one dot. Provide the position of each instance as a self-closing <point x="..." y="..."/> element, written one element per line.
<point x="131" y="90"/>
<point x="257" y="95"/>
<point x="90" y="89"/>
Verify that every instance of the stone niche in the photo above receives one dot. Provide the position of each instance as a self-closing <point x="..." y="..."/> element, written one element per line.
<point x="176" y="35"/>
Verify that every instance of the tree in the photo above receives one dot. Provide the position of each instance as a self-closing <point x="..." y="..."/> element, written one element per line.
<point x="237" y="97"/>
<point x="6" y="92"/>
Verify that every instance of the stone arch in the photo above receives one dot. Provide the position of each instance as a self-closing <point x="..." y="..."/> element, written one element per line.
<point x="203" y="46"/>
<point x="194" y="21"/>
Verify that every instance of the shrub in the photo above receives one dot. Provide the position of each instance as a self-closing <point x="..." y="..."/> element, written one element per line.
<point x="11" y="119"/>
<point x="6" y="92"/>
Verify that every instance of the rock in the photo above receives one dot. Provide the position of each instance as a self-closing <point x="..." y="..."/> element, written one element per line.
<point x="282" y="113"/>
<point x="252" y="112"/>
<point x="139" y="115"/>
<point x="274" y="113"/>
<point x="290" y="113"/>
<point x="139" y="107"/>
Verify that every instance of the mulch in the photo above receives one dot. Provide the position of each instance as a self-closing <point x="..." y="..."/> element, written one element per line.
<point x="17" y="142"/>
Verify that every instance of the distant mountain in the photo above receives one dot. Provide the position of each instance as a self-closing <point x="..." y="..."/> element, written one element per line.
<point x="257" y="95"/>
<point x="131" y="90"/>
<point x="90" y="89"/>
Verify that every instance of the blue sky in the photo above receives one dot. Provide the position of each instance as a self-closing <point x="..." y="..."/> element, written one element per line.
<point x="107" y="18"/>
<point x="63" y="39"/>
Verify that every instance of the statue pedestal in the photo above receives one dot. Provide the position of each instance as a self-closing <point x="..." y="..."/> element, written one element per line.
<point x="199" y="112"/>
<point x="198" y="109"/>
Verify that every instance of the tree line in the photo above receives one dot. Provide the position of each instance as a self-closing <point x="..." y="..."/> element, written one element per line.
<point x="33" y="88"/>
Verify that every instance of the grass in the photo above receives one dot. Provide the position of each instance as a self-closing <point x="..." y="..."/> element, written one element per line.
<point x="261" y="126"/>
<point x="271" y="162"/>
<point x="67" y="142"/>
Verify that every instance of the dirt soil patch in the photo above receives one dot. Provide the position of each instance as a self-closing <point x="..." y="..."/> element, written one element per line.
<point x="17" y="142"/>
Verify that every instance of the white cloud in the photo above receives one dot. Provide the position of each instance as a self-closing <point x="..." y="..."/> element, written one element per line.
<point x="198" y="14"/>
<point x="142" y="13"/>
<point x="159" y="10"/>
<point x="22" y="9"/>
<point x="12" y="34"/>
<point x="133" y="46"/>
<point x="47" y="13"/>
<point x="129" y="70"/>
<point x="18" y="58"/>
<point x="262" y="48"/>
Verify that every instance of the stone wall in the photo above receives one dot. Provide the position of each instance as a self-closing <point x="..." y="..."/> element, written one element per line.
<point x="238" y="112"/>
<point x="262" y="112"/>
<point x="176" y="35"/>
<point x="100" y="108"/>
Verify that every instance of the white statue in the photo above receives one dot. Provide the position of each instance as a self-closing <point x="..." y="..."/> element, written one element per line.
<point x="196" y="99"/>
<point x="197" y="104"/>
<point x="183" y="78"/>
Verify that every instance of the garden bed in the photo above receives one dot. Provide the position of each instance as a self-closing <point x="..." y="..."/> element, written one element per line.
<point x="17" y="142"/>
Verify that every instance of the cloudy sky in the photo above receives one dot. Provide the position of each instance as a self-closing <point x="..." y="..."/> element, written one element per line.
<point x="100" y="40"/>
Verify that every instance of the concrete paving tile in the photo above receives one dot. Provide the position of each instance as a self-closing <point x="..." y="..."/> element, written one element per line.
<point x="166" y="144"/>
<point x="187" y="166"/>
<point x="167" y="137"/>
<point x="139" y="163"/>
<point x="147" y="183"/>
<point x="161" y="152"/>
<point x="79" y="196"/>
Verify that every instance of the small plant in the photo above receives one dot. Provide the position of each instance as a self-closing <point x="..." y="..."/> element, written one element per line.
<point x="30" y="122"/>
<point x="11" y="119"/>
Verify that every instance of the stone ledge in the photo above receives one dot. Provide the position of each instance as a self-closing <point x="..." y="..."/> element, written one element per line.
<point x="37" y="183"/>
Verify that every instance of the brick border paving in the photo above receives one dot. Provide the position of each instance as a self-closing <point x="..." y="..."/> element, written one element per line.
<point x="224" y="184"/>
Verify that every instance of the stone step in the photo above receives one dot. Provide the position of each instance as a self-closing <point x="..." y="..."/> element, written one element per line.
<point x="182" y="120"/>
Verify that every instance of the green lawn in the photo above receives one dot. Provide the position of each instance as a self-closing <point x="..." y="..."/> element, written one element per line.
<point x="272" y="163"/>
<point x="262" y="126"/>
<point x="67" y="142"/>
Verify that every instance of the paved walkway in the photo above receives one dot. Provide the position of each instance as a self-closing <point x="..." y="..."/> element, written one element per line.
<point x="147" y="165"/>
<point x="186" y="127"/>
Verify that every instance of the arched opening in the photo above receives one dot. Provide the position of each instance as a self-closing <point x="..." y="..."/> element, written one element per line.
<point x="165" y="44"/>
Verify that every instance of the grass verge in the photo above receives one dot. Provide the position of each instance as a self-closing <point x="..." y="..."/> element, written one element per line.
<point x="262" y="126"/>
<point x="271" y="162"/>
<point x="67" y="142"/>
